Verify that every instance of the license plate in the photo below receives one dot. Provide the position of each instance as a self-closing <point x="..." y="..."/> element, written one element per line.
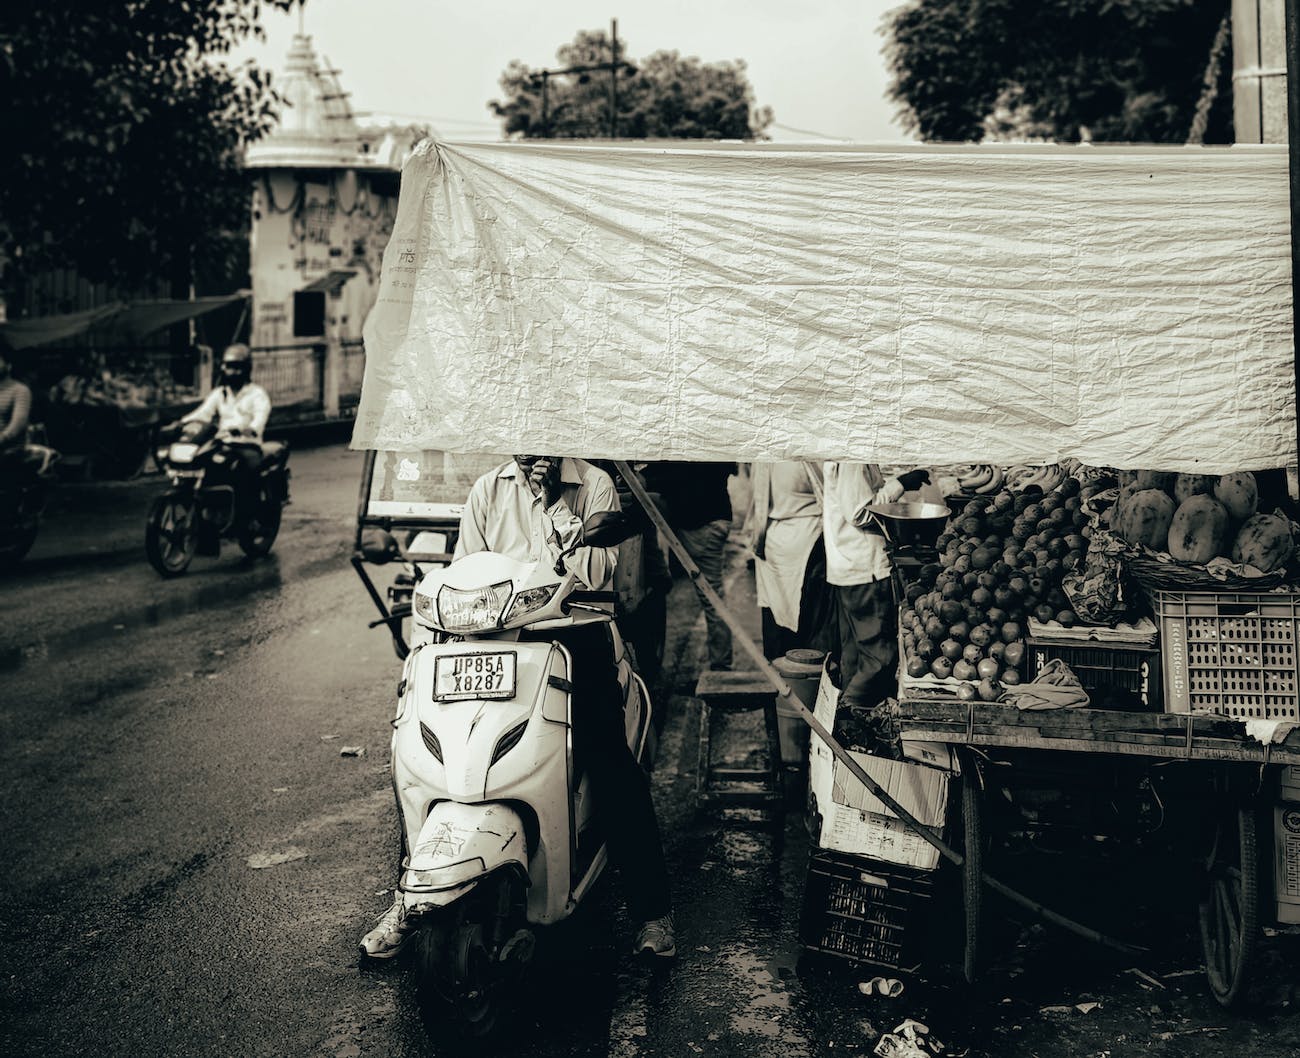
<point x="457" y="677"/>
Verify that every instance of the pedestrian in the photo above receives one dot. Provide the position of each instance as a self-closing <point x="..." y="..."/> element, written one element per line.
<point x="698" y="509"/>
<point x="859" y="570"/>
<point x="795" y="602"/>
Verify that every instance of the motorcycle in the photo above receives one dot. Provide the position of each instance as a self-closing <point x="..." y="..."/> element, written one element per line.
<point x="500" y="838"/>
<point x="25" y="479"/>
<point x="202" y="505"/>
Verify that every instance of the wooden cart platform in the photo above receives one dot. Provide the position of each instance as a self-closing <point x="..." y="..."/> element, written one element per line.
<point x="1174" y="736"/>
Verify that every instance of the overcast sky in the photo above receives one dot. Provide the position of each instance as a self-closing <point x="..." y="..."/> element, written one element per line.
<point x="817" y="63"/>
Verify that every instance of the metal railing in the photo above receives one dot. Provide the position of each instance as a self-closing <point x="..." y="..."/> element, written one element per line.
<point x="291" y="374"/>
<point x="352" y="368"/>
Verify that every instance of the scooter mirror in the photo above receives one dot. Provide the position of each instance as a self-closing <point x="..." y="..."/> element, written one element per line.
<point x="379" y="547"/>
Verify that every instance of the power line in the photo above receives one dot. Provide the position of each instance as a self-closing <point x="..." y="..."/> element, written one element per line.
<point x="808" y="132"/>
<point x="425" y="117"/>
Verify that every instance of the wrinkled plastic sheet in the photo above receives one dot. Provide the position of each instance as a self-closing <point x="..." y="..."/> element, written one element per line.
<point x="926" y="305"/>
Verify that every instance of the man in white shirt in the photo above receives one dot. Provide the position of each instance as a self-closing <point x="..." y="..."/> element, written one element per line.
<point x="239" y="406"/>
<point x="532" y="509"/>
<point x="240" y="409"/>
<point x="858" y="569"/>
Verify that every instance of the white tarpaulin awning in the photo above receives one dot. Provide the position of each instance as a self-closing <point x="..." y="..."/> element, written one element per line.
<point x="921" y="305"/>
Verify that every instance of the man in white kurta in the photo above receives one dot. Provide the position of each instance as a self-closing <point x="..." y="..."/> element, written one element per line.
<point x="859" y="569"/>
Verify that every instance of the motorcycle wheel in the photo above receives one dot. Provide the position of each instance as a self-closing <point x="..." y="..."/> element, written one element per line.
<point x="15" y="545"/>
<point x="170" y="536"/>
<point x="258" y="533"/>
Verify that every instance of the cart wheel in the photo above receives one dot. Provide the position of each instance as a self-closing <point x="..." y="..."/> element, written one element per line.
<point x="972" y="867"/>
<point x="1229" y="909"/>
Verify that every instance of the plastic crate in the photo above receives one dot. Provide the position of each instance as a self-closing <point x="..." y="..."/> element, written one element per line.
<point x="1233" y="653"/>
<point x="1115" y="676"/>
<point x="861" y="910"/>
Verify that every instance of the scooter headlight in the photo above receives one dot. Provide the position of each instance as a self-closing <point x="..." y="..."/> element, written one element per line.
<point x="531" y="599"/>
<point x="182" y="452"/>
<point x="458" y="610"/>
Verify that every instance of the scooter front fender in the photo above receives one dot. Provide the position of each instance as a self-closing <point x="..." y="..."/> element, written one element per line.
<point x="458" y="846"/>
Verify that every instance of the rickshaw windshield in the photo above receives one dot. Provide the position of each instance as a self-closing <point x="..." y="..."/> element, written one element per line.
<point x="411" y="488"/>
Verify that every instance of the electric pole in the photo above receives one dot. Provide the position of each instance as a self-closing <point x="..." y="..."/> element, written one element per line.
<point x="543" y="78"/>
<point x="613" y="79"/>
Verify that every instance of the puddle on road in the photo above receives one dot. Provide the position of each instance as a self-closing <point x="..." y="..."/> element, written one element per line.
<point x="201" y="590"/>
<point x="261" y="860"/>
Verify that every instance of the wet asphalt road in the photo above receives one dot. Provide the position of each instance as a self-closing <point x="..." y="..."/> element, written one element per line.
<point x="189" y="860"/>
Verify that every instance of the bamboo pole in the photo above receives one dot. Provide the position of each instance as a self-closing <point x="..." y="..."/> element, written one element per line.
<point x="741" y="636"/>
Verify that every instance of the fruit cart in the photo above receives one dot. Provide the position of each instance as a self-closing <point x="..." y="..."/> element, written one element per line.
<point x="1199" y="783"/>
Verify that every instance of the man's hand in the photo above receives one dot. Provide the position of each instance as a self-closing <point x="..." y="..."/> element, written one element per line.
<point x="914" y="479"/>
<point x="544" y="480"/>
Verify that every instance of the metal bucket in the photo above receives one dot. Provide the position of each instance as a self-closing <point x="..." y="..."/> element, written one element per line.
<point x="909" y="524"/>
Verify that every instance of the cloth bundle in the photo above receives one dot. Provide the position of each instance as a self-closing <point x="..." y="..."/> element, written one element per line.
<point x="1056" y="687"/>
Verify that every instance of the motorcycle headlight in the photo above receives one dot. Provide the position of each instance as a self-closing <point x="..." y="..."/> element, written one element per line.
<point x="182" y="452"/>
<point x="457" y="610"/>
<point x="531" y="599"/>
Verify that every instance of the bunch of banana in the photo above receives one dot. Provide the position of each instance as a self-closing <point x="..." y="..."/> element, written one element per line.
<point x="1017" y="476"/>
<point x="1046" y="477"/>
<point x="980" y="478"/>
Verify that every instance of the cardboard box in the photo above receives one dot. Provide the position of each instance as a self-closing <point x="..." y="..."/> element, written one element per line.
<point x="1290" y="782"/>
<point x="853" y="819"/>
<point x="1286" y="861"/>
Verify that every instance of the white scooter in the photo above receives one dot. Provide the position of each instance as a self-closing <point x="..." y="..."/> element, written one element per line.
<point x="499" y="838"/>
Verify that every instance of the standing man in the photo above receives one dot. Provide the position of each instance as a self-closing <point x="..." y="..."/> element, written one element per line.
<point x="698" y="508"/>
<point x="858" y="569"/>
<point x="532" y="509"/>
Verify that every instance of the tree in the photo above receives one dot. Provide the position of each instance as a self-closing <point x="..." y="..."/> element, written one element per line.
<point x="1128" y="70"/>
<point x="123" y="134"/>
<point x="664" y="95"/>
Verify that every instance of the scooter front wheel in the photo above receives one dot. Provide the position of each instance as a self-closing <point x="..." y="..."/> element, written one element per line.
<point x="466" y="978"/>
<point x="170" y="535"/>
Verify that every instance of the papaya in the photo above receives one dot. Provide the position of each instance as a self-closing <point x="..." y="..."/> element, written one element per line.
<point x="1188" y="485"/>
<point x="1199" y="530"/>
<point x="1126" y="493"/>
<point x="1263" y="542"/>
<point x="1146" y="517"/>
<point x="1155" y="479"/>
<point x="1239" y="493"/>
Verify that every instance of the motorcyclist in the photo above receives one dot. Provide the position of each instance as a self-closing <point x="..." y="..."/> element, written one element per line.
<point x="532" y="509"/>
<point x="15" y="408"/>
<point x="240" y="408"/>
